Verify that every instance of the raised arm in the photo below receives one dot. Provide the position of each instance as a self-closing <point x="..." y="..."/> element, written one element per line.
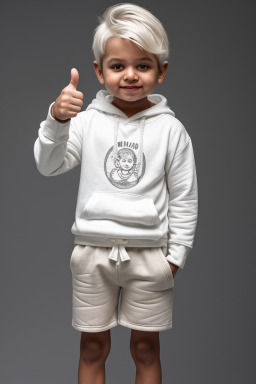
<point x="58" y="146"/>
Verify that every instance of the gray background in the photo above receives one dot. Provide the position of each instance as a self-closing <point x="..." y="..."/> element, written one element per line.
<point x="210" y="86"/>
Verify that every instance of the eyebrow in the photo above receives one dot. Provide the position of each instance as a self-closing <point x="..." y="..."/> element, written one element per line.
<point x="118" y="59"/>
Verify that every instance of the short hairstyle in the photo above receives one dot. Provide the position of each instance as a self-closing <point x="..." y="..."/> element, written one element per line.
<point x="132" y="22"/>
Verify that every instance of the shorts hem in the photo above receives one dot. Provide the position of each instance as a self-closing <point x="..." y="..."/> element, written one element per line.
<point x="88" y="328"/>
<point x="149" y="328"/>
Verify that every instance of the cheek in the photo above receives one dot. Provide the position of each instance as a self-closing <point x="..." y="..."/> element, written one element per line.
<point x="150" y="78"/>
<point x="111" y="78"/>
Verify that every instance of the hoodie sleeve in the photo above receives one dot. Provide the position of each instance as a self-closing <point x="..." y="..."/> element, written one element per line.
<point x="183" y="204"/>
<point x="58" y="146"/>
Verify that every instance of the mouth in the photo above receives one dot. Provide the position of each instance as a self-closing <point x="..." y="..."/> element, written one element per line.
<point x="131" y="88"/>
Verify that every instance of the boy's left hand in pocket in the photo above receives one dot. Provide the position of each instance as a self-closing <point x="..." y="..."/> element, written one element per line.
<point x="174" y="268"/>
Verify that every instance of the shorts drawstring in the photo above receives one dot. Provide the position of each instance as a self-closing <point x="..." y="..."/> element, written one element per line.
<point x="118" y="248"/>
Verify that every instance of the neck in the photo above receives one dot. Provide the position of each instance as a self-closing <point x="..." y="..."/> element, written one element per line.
<point x="133" y="107"/>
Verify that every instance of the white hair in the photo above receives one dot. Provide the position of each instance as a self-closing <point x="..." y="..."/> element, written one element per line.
<point x="132" y="22"/>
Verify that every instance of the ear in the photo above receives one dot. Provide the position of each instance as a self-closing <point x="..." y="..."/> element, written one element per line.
<point x="98" y="72"/>
<point x="162" y="72"/>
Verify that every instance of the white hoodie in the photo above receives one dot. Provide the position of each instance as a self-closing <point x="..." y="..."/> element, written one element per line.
<point x="138" y="183"/>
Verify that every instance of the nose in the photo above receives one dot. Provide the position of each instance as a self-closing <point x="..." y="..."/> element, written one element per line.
<point x="130" y="74"/>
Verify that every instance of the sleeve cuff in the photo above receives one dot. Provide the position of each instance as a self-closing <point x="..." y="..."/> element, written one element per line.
<point x="177" y="254"/>
<point x="54" y="130"/>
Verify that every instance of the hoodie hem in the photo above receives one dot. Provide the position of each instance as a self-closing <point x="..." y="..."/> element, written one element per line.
<point x="106" y="242"/>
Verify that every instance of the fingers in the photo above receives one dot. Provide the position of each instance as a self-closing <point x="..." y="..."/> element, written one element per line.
<point x="74" y="108"/>
<point x="71" y="98"/>
<point x="76" y="101"/>
<point x="74" y="78"/>
<point x="68" y="107"/>
<point x="77" y="95"/>
<point x="71" y="92"/>
<point x="72" y="87"/>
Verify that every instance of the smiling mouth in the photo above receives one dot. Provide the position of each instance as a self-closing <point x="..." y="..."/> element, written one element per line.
<point x="131" y="87"/>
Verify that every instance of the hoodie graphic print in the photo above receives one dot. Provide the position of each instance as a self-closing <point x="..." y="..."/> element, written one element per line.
<point x="125" y="162"/>
<point x="122" y="168"/>
<point x="138" y="181"/>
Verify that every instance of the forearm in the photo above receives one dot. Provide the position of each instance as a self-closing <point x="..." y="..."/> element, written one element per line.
<point x="58" y="146"/>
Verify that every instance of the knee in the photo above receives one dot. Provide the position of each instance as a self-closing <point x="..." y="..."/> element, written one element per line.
<point x="144" y="352"/>
<point x="94" y="350"/>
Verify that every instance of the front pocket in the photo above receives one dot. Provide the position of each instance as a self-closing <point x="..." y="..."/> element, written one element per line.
<point x="121" y="207"/>
<point x="167" y="267"/>
<point x="75" y="256"/>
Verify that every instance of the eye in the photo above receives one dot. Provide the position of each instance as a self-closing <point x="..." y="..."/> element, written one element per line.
<point x="117" y="66"/>
<point x="144" y="66"/>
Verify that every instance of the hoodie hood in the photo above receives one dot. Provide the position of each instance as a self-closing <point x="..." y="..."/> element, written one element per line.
<point x="103" y="101"/>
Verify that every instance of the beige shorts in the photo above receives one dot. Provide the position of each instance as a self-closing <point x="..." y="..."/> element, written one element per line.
<point x="144" y="283"/>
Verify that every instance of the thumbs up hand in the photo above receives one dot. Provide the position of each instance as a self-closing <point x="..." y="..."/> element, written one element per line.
<point x="69" y="102"/>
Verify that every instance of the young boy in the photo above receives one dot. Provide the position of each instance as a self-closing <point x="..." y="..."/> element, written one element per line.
<point x="136" y="211"/>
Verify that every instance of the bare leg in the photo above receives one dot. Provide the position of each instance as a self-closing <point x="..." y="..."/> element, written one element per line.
<point x="145" y="351"/>
<point x="94" y="350"/>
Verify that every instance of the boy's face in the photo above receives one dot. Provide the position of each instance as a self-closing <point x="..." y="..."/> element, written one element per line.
<point x="129" y="73"/>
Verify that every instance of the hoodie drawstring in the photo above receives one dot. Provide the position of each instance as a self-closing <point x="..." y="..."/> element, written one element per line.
<point x="142" y="125"/>
<point x="115" y="136"/>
